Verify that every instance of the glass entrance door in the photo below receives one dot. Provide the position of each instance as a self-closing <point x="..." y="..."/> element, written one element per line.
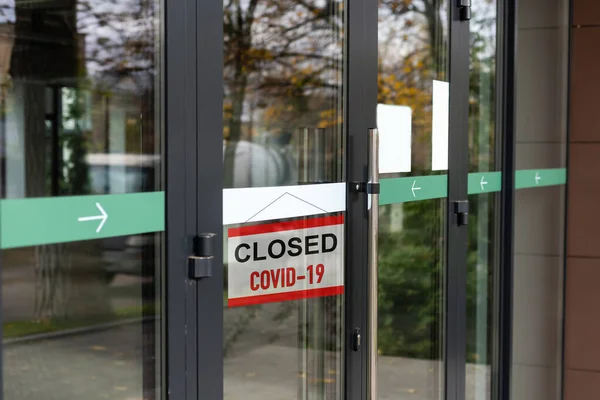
<point x="284" y="199"/>
<point x="284" y="303"/>
<point x="422" y="116"/>
<point x="302" y="84"/>
<point x="81" y="205"/>
<point x="413" y="120"/>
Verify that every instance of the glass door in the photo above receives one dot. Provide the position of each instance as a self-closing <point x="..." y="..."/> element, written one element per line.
<point x="284" y="310"/>
<point x="284" y="199"/>
<point x="81" y="199"/>
<point x="422" y="117"/>
<point x="413" y="89"/>
<point x="281" y="307"/>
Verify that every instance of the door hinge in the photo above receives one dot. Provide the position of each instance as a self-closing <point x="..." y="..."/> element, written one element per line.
<point x="464" y="10"/>
<point x="461" y="209"/>
<point x="200" y="265"/>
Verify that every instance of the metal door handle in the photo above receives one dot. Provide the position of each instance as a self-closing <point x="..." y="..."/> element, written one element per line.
<point x="373" y="265"/>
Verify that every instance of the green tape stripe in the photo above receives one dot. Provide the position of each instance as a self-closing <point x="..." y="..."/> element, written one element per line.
<point x="403" y="190"/>
<point x="484" y="182"/>
<point x="531" y="178"/>
<point x="30" y="222"/>
<point x="415" y="188"/>
<point x="399" y="190"/>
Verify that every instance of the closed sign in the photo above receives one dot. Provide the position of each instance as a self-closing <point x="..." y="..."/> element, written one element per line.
<point x="286" y="260"/>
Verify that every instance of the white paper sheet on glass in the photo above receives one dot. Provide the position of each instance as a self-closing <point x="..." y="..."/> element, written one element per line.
<point x="439" y="127"/>
<point x="242" y="205"/>
<point x="395" y="132"/>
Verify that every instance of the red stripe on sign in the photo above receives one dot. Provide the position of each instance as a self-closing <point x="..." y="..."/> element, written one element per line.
<point x="278" y="297"/>
<point x="286" y="226"/>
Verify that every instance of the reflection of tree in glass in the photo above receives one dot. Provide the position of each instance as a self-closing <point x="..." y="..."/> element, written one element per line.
<point x="75" y="169"/>
<point x="412" y="53"/>
<point x="410" y="282"/>
<point x="99" y="46"/>
<point x="283" y="69"/>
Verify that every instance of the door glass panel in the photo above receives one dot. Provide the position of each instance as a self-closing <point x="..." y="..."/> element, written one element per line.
<point x="484" y="197"/>
<point x="81" y="209"/>
<point x="412" y="117"/>
<point x="284" y="199"/>
<point x="542" y="91"/>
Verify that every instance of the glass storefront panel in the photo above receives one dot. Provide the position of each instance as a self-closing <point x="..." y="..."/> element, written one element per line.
<point x="541" y="135"/>
<point x="284" y="155"/>
<point x="80" y="319"/>
<point x="412" y="118"/>
<point x="80" y="153"/>
<point x="485" y="146"/>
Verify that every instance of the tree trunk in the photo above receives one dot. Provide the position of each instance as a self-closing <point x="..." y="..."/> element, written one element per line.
<point x="60" y="291"/>
<point x="238" y="97"/>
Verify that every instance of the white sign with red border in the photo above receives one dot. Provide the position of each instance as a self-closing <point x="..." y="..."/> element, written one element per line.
<point x="289" y="260"/>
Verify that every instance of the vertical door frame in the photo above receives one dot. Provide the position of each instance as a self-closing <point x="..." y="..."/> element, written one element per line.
<point x="455" y="327"/>
<point x="563" y="313"/>
<point x="209" y="203"/>
<point x="360" y="116"/>
<point x="194" y="89"/>
<point x="179" y="94"/>
<point x="505" y="123"/>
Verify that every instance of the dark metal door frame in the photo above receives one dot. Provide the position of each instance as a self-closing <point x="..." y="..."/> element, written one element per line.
<point x="194" y="145"/>
<point x="506" y="124"/>
<point x="180" y="352"/>
<point x="361" y="101"/>
<point x="455" y="327"/>
<point x="209" y="166"/>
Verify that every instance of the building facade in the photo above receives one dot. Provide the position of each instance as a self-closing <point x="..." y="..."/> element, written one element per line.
<point x="299" y="199"/>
